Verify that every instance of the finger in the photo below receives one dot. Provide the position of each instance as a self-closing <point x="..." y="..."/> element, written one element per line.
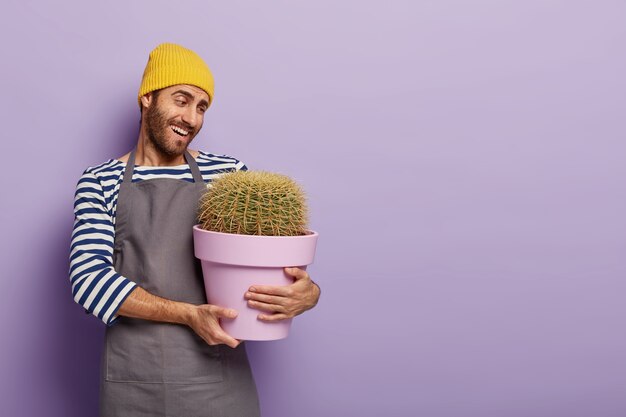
<point x="217" y="337"/>
<point x="269" y="299"/>
<point x="266" y="307"/>
<point x="297" y="273"/>
<point x="273" y="317"/>
<point x="231" y="342"/>
<point x="280" y="291"/>
<point x="221" y="337"/>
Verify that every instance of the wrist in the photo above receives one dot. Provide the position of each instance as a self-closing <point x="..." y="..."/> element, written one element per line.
<point x="187" y="313"/>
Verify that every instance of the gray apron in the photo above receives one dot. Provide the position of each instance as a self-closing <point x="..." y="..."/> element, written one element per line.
<point x="152" y="369"/>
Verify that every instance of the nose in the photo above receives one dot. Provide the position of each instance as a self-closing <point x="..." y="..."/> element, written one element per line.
<point x="190" y="116"/>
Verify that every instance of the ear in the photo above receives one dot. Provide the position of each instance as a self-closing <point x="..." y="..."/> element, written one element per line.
<point x="147" y="99"/>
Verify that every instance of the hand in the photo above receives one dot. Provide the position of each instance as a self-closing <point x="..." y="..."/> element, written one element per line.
<point x="204" y="320"/>
<point x="284" y="302"/>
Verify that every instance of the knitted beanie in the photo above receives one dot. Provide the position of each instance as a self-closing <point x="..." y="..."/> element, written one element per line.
<point x="170" y="64"/>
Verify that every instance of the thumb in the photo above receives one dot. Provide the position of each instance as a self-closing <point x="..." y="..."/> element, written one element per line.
<point x="228" y="313"/>
<point x="296" y="273"/>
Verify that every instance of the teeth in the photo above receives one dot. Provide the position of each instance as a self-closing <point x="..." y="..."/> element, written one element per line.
<point x="179" y="130"/>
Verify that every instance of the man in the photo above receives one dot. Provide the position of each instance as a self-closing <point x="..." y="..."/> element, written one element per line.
<point x="132" y="262"/>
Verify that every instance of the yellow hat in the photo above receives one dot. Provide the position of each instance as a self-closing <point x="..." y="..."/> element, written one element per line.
<point x="170" y="64"/>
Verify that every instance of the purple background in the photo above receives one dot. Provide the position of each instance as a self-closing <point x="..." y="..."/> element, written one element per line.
<point x="465" y="168"/>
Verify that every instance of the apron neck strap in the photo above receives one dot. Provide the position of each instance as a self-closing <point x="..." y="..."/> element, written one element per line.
<point x="193" y="165"/>
<point x="130" y="168"/>
<point x="195" y="170"/>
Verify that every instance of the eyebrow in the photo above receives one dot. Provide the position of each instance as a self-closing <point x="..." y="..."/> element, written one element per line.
<point x="190" y="96"/>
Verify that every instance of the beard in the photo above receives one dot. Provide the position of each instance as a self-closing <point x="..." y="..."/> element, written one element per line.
<point x="157" y="127"/>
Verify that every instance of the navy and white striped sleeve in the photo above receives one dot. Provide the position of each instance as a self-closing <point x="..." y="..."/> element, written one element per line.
<point x="95" y="284"/>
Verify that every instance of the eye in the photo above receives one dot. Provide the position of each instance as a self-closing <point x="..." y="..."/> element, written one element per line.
<point x="201" y="110"/>
<point x="180" y="102"/>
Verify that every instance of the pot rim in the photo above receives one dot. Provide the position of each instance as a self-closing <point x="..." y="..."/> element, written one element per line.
<point x="310" y="234"/>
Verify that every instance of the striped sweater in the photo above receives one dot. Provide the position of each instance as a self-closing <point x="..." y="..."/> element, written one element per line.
<point x="95" y="284"/>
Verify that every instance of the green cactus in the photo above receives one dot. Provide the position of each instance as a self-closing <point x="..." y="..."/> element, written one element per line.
<point x="254" y="203"/>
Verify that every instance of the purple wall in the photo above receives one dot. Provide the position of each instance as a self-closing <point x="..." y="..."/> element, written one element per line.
<point x="465" y="167"/>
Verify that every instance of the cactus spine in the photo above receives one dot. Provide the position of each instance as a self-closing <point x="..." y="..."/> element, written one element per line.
<point x="254" y="203"/>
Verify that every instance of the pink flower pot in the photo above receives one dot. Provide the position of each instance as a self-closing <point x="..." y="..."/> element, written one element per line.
<point x="232" y="263"/>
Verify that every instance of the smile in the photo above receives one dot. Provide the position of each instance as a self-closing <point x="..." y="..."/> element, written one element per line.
<point x="179" y="130"/>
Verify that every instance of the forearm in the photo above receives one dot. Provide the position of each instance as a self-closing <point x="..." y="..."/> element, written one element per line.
<point x="143" y="305"/>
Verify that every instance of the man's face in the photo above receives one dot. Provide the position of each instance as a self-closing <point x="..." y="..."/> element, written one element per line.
<point x="174" y="116"/>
